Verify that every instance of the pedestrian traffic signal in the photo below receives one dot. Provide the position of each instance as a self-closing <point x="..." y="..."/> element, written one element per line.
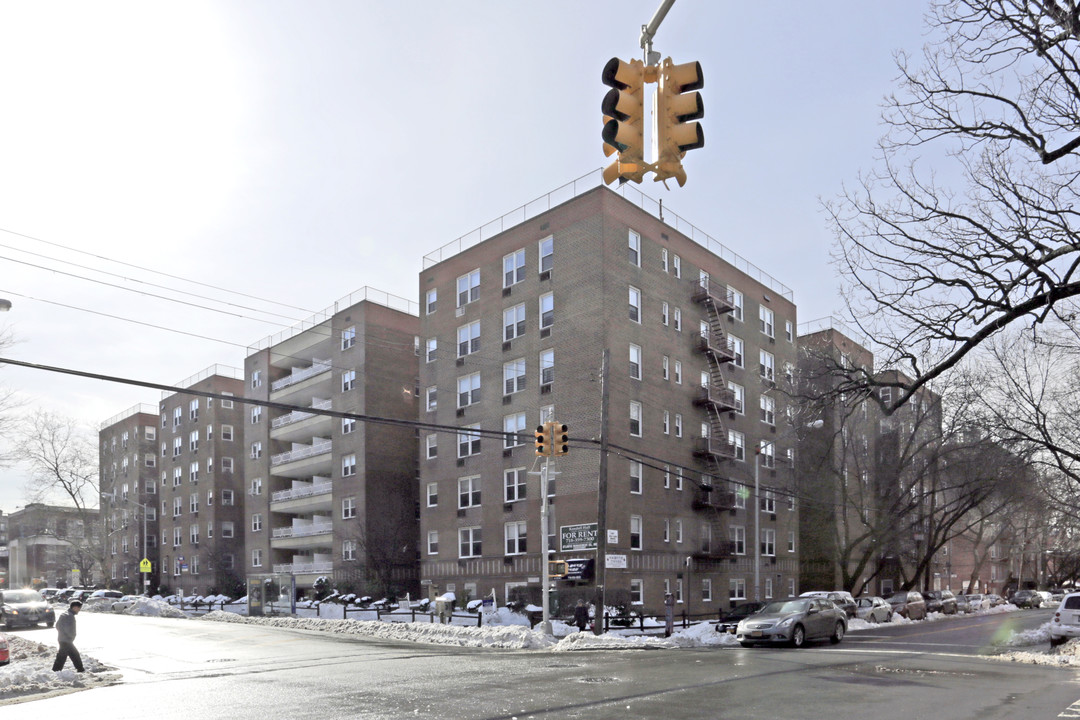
<point x="543" y="439"/>
<point x="624" y="123"/>
<point x="559" y="439"/>
<point x="557" y="569"/>
<point x="677" y="104"/>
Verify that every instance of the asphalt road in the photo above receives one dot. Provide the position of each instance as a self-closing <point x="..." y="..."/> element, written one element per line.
<point x="196" y="669"/>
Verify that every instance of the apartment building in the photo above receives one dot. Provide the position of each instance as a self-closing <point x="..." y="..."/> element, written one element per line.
<point x="201" y="484"/>
<point x="513" y="331"/>
<point x="128" y="476"/>
<point x="331" y="494"/>
<point x="54" y="545"/>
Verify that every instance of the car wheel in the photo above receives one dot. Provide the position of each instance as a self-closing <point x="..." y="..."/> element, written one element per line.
<point x="50" y="623"/>
<point x="8" y="625"/>
<point x="798" y="637"/>
<point x="838" y="633"/>
<point x="872" y="618"/>
<point x="1055" y="641"/>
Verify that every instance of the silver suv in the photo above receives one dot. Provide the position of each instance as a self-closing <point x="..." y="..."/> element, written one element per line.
<point x="1066" y="622"/>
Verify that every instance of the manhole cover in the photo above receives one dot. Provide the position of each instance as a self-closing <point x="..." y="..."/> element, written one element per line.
<point x="598" y="680"/>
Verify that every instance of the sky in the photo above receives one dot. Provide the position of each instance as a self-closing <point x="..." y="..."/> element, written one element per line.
<point x="180" y="180"/>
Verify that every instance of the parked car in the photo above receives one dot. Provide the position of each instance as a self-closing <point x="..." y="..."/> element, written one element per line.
<point x="730" y="620"/>
<point x="5" y="653"/>
<point x="1047" y="598"/>
<point x="1065" y="624"/>
<point x="49" y="593"/>
<point x="24" y="607"/>
<point x="993" y="600"/>
<point x="963" y="604"/>
<point x="1026" y="599"/>
<point x="977" y="601"/>
<point x="842" y="598"/>
<point x="872" y="608"/>
<point x="102" y="598"/>
<point x="125" y="602"/>
<point x="942" y="601"/>
<point x="908" y="604"/>
<point x="793" y="622"/>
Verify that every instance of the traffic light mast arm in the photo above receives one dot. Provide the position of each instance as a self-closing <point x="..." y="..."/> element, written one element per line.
<point x="648" y="32"/>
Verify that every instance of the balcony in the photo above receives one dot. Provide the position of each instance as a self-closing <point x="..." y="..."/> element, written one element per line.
<point x="304" y="384"/>
<point x="717" y="297"/>
<point x="303" y="568"/>
<point x="714" y="448"/>
<point x="716" y="550"/>
<point x="714" y="500"/>
<point x="718" y="398"/>
<point x="304" y="460"/>
<point x="298" y="415"/>
<point x="301" y="374"/>
<point x="303" y="425"/>
<point x="718" y="345"/>
<point x="303" y="536"/>
<point x="304" y="497"/>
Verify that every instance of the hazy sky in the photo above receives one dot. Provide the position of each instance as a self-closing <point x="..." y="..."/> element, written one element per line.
<point x="297" y="151"/>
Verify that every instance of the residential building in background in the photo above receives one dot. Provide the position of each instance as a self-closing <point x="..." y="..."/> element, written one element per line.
<point x="201" y="484"/>
<point x="54" y="545"/>
<point x="334" y="496"/>
<point x="700" y="472"/>
<point x="128" y="466"/>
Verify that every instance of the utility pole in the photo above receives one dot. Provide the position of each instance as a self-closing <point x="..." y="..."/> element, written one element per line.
<point x="601" y="496"/>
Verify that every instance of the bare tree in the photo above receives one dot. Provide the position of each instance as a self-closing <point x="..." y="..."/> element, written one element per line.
<point x="938" y="260"/>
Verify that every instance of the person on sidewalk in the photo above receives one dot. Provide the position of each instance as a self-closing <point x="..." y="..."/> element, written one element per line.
<point x="65" y="632"/>
<point x="581" y="615"/>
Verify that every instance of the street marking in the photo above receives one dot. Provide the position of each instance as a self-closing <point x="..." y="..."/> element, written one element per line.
<point x="1073" y="711"/>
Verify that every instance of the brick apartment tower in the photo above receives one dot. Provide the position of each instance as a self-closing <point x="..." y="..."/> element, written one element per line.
<point x="513" y="331"/>
<point x="128" y="476"/>
<point x="329" y="496"/>
<point x="201" y="484"/>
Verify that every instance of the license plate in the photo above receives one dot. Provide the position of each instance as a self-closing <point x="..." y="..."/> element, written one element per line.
<point x="755" y="633"/>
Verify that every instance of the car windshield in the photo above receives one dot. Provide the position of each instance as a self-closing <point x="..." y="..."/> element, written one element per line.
<point x="899" y="597"/>
<point x="785" y="607"/>
<point x="866" y="602"/>
<point x="22" y="596"/>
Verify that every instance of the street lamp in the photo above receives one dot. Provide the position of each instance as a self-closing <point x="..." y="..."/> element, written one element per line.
<point x="145" y="512"/>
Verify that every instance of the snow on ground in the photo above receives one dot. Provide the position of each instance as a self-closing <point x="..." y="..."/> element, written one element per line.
<point x="30" y="674"/>
<point x="154" y="608"/>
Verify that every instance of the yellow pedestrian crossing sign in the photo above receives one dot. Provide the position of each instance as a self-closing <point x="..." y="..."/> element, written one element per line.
<point x="144" y="565"/>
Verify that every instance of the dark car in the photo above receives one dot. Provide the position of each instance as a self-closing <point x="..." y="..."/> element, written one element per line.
<point x="841" y="598"/>
<point x="730" y="620"/>
<point x="793" y="622"/>
<point x="908" y="604"/>
<point x="24" y="607"/>
<point x="942" y="601"/>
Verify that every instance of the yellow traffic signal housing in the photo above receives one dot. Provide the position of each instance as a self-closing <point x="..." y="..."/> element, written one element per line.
<point x="558" y="569"/>
<point x="543" y="439"/>
<point x="677" y="104"/>
<point x="559" y="439"/>
<point x="624" y="126"/>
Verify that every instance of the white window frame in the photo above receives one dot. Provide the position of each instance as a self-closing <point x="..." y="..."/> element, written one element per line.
<point x="513" y="268"/>
<point x="468" y="288"/>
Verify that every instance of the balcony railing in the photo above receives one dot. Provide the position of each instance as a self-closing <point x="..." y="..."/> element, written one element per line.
<point x="714" y="500"/>
<point x="716" y="550"/>
<point x="714" y="447"/>
<point x="303" y="530"/>
<point x="298" y="415"/>
<point x="720" y="398"/>
<point x="316" y="368"/>
<point x="302" y="492"/>
<point x="302" y="452"/>
<point x="714" y="294"/>
<point x="303" y="568"/>
<point x="718" y="345"/>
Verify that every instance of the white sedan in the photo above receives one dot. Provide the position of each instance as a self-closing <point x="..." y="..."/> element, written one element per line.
<point x="873" y="609"/>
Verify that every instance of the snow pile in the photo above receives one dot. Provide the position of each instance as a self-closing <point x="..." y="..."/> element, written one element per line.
<point x="702" y="635"/>
<point x="1025" y="638"/>
<point x="154" y="608"/>
<point x="1067" y="655"/>
<point x="588" y="641"/>
<point x="505" y="616"/>
<point x="30" y="672"/>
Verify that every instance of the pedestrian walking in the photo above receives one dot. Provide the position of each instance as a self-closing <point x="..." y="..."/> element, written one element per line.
<point x="65" y="632"/>
<point x="581" y="615"/>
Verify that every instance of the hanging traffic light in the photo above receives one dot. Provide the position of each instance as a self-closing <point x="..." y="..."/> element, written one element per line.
<point x="677" y="104"/>
<point x="624" y="119"/>
<point x="543" y="439"/>
<point x="559" y="439"/>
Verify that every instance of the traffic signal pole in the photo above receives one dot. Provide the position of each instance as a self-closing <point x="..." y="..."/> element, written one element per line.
<point x="545" y="561"/>
<point x="648" y="32"/>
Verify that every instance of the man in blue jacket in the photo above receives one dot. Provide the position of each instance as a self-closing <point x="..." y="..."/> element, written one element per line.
<point x="65" y="632"/>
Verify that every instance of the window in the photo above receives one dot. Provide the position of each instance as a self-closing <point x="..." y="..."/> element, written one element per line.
<point x="469" y="492"/>
<point x="768" y="456"/>
<point x="739" y="394"/>
<point x="737" y="303"/>
<point x="432" y="444"/>
<point x="348" y="337"/>
<point x="635" y="532"/>
<point x="348" y="425"/>
<point x="635" y="419"/>
<point x="149" y="460"/>
<point x="468" y="338"/>
<point x="256" y="450"/>
<point x="227" y="529"/>
<point x="678" y="425"/>
<point x="514" y="532"/>
<point x="469" y="542"/>
<point x="767" y="365"/>
<point x="634" y="244"/>
<point x="177" y="476"/>
<point x="150" y="432"/>
<point x="513" y="322"/>
<point x="348" y="508"/>
<point x="177" y="536"/>
<point x="635" y="477"/>
<point x="348" y="549"/>
<point x="226" y="464"/>
<point x="678" y="532"/>
<point x="469" y="442"/>
<point x="468" y="388"/>
<point x="768" y="410"/>
<point x="348" y="380"/>
<point x="514" y="376"/>
<point x="706" y="590"/>
<point x="177" y="446"/>
<point x="768" y="589"/>
<point x="736" y="346"/>
<point x="789" y="331"/>
<point x="228" y="497"/>
<point x="433" y="542"/>
<point x="514" y="427"/>
<point x="768" y="501"/>
<point x="547" y="310"/>
<point x="468" y="288"/>
<point x="667" y="422"/>
<point x="193" y="472"/>
<point x="737" y="588"/>
<point x="177" y="417"/>
<point x="256" y="416"/>
<point x="663" y="259"/>
<point x="432" y="300"/>
<point x="193" y="414"/>
<point x="256" y="522"/>
<point x="766" y="319"/>
<point x="678" y="372"/>
<point x="256" y="486"/>
<point x="664" y="367"/>
<point x="547" y="367"/>
<point x="636" y="592"/>
<point x="677" y="320"/>
<point x="791" y="541"/>
<point x="227" y="433"/>
<point x="431" y="398"/>
<point x="547" y="252"/>
<point x="664" y="313"/>
<point x="433" y="494"/>
<point x="635" y="304"/>
<point x="635" y="362"/>
<point x="738" y="537"/>
<point x="738" y="441"/>
<point x="227" y="404"/>
<point x="513" y="268"/>
<point x="667" y="530"/>
<point x="193" y="535"/>
<point x="348" y="465"/>
<point x="256" y="558"/>
<point x="431" y="349"/>
<point x="676" y="264"/>
<point x="768" y="542"/>
<point x="256" y="379"/>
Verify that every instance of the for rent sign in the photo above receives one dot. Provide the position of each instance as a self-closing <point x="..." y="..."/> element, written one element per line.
<point x="577" y="537"/>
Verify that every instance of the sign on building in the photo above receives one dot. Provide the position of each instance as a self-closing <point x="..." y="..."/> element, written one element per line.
<point x="577" y="537"/>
